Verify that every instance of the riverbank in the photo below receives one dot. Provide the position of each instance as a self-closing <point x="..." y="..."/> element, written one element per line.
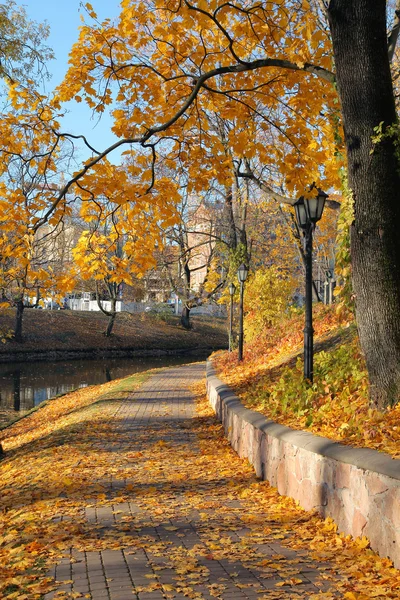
<point x="61" y="335"/>
<point x="25" y="385"/>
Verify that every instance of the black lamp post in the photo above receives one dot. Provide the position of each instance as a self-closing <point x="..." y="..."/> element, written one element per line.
<point x="308" y="212"/>
<point x="232" y="290"/>
<point x="242" y="276"/>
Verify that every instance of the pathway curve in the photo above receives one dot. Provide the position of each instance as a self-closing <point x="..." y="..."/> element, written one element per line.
<point x="186" y="534"/>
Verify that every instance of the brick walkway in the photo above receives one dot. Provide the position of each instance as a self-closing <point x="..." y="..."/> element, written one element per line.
<point x="170" y="556"/>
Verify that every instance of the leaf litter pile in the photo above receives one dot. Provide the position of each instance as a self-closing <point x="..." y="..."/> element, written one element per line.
<point x="58" y="462"/>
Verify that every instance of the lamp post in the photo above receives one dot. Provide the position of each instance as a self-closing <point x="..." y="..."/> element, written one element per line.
<point x="242" y="276"/>
<point x="308" y="212"/>
<point x="232" y="290"/>
<point x="330" y="284"/>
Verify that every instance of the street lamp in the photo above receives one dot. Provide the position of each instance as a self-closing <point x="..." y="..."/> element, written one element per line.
<point x="242" y="276"/>
<point x="308" y="212"/>
<point x="232" y="290"/>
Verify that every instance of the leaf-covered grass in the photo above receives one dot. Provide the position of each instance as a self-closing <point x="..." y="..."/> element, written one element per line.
<point x="270" y="380"/>
<point x="67" y="330"/>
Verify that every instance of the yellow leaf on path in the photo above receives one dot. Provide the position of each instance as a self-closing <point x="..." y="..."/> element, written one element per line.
<point x="293" y="581"/>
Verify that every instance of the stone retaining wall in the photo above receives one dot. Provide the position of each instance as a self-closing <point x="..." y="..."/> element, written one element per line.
<point x="359" y="488"/>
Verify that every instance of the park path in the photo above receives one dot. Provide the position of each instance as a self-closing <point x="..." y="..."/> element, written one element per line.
<point x="187" y="532"/>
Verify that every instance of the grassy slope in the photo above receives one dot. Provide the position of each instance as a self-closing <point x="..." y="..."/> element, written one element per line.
<point x="270" y="380"/>
<point x="72" y="330"/>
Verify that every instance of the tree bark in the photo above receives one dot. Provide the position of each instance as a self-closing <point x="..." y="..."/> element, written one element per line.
<point x="360" y="47"/>
<point x="185" y="317"/>
<point x="229" y="219"/>
<point x="112" y="314"/>
<point x="18" y="320"/>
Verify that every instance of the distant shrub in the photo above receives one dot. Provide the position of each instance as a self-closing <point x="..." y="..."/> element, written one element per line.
<point x="162" y="311"/>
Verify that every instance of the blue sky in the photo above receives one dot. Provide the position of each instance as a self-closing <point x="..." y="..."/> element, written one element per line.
<point x="63" y="17"/>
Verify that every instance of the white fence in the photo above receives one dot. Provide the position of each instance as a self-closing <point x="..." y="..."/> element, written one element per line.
<point x="91" y="305"/>
<point x="139" y="307"/>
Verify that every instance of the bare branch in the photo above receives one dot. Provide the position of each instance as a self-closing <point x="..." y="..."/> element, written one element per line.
<point x="249" y="174"/>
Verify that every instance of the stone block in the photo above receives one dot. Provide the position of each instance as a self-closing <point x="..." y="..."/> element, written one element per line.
<point x="298" y="467"/>
<point x="256" y="452"/>
<point x="359" y="522"/>
<point x="391" y="508"/>
<point x="310" y="495"/>
<point x="342" y="475"/>
<point x="328" y="472"/>
<point x="293" y="485"/>
<point x="359" y="490"/>
<point x="348" y="508"/>
<point x="334" y="505"/>
<point x="376" y="484"/>
<point x="383" y="539"/>
<point x="281" y="478"/>
<point x="308" y="463"/>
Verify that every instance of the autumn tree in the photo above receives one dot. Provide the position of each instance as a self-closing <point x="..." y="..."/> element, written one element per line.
<point x="29" y="174"/>
<point x="119" y="237"/>
<point x="168" y="63"/>
<point x="99" y="257"/>
<point x="32" y="265"/>
<point x="23" y="54"/>
<point x="23" y="59"/>
<point x="269" y="292"/>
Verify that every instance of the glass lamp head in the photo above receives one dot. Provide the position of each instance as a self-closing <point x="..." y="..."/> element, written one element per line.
<point x="301" y="214"/>
<point x="242" y="273"/>
<point x="315" y="206"/>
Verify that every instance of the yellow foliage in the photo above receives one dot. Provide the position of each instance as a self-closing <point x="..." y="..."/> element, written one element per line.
<point x="268" y="294"/>
<point x="297" y="135"/>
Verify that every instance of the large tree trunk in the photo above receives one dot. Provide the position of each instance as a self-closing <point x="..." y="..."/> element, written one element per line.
<point x="18" y="320"/>
<point x="358" y="30"/>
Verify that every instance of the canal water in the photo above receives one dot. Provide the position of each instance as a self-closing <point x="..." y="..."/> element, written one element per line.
<point x="25" y="385"/>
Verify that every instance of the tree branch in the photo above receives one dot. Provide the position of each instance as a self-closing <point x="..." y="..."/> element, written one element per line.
<point x="394" y="34"/>
<point x="199" y="84"/>
<point x="248" y="174"/>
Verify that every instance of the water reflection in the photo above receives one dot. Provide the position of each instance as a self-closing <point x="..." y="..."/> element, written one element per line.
<point x="25" y="385"/>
